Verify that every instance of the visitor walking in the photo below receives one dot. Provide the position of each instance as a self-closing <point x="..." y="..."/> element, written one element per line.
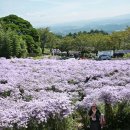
<point x="94" y="115"/>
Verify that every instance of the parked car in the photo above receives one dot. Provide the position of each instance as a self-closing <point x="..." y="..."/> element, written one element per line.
<point x="104" y="57"/>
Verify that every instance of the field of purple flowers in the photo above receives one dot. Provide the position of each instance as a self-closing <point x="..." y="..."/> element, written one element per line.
<point x="45" y="94"/>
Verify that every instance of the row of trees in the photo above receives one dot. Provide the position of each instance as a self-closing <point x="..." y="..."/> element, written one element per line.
<point x="90" y="42"/>
<point x="18" y="38"/>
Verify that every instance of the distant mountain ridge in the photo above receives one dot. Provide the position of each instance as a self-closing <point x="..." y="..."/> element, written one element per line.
<point x="109" y="25"/>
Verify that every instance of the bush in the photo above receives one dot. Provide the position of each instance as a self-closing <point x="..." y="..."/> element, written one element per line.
<point x="126" y="55"/>
<point x="118" y="116"/>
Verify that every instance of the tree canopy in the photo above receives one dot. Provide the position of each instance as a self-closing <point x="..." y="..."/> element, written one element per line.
<point x="21" y="26"/>
<point x="21" y="35"/>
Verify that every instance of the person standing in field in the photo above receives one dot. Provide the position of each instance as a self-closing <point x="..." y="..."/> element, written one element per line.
<point x="94" y="115"/>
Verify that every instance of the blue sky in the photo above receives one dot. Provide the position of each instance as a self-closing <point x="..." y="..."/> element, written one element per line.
<point x="49" y="12"/>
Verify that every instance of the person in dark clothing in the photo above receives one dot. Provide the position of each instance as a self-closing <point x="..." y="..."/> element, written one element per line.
<point x="94" y="115"/>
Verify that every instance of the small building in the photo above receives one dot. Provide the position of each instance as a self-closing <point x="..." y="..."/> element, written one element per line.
<point x="121" y="53"/>
<point x="56" y="51"/>
<point x="75" y="54"/>
<point x="109" y="53"/>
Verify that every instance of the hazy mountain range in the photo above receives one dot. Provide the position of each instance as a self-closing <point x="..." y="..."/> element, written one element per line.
<point x="107" y="24"/>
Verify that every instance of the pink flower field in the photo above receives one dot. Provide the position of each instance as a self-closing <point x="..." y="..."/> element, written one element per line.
<point x="40" y="88"/>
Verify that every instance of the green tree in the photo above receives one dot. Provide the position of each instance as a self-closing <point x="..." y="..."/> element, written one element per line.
<point x="120" y="40"/>
<point x="66" y="44"/>
<point x="44" y="37"/>
<point x="21" y="26"/>
<point x="126" y="37"/>
<point x="23" y="50"/>
<point x="24" y="29"/>
<point x="12" y="45"/>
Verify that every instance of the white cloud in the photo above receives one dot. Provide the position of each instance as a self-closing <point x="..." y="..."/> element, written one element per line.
<point x="47" y="12"/>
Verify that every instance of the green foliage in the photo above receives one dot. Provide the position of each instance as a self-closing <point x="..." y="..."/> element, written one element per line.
<point x="44" y="37"/>
<point x="12" y="45"/>
<point x="46" y="51"/>
<point x="21" y="26"/>
<point x="48" y="40"/>
<point x="117" y="116"/>
<point x="60" y="124"/>
<point x="127" y="55"/>
<point x="66" y="44"/>
<point x="18" y="38"/>
<point x="83" y="117"/>
<point x="53" y="123"/>
<point x="33" y="47"/>
<point x="23" y="50"/>
<point x="5" y="93"/>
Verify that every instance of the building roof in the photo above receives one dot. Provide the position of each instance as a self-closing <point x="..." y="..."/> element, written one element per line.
<point x="122" y="51"/>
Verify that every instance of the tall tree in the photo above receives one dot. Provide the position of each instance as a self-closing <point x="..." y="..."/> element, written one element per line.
<point x="66" y="44"/>
<point x="44" y="37"/>
<point x="12" y="45"/>
<point x="24" y="29"/>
